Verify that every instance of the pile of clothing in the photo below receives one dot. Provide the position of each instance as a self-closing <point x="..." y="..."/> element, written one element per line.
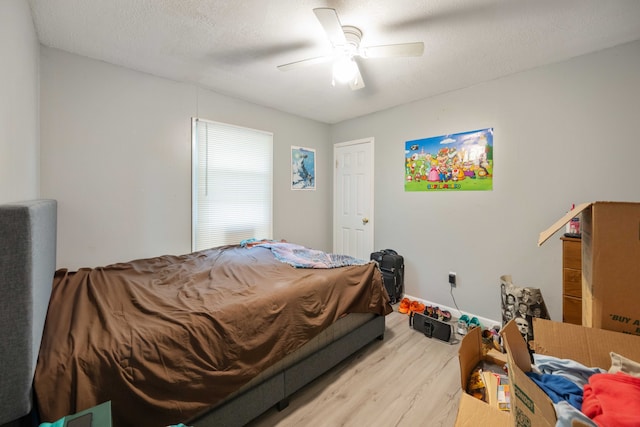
<point x="592" y="395"/>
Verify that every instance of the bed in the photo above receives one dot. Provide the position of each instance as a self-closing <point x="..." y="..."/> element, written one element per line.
<point x="214" y="337"/>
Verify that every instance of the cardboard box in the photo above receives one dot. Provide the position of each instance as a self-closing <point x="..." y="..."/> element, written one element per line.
<point x="610" y="263"/>
<point x="530" y="405"/>
<point x="474" y="412"/>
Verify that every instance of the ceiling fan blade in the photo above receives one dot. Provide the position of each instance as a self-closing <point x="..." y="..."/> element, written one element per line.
<point x="393" y="50"/>
<point x="304" y="63"/>
<point x="357" y="82"/>
<point x="331" y="23"/>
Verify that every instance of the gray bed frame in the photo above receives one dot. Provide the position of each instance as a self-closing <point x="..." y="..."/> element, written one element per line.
<point x="27" y="267"/>
<point x="276" y="390"/>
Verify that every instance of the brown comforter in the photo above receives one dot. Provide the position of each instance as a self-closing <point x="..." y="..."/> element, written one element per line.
<point x="167" y="337"/>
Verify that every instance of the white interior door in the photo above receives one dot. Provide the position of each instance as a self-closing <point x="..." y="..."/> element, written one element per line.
<point x="353" y="198"/>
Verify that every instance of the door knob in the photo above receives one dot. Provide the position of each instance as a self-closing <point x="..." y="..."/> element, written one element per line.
<point x="365" y="221"/>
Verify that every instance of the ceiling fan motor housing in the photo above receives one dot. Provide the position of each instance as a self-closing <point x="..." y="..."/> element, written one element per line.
<point x="353" y="35"/>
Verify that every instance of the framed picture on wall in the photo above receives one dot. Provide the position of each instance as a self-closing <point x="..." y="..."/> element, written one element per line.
<point x="455" y="162"/>
<point x="303" y="168"/>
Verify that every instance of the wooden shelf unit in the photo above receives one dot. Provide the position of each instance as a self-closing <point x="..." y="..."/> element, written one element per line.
<point x="571" y="280"/>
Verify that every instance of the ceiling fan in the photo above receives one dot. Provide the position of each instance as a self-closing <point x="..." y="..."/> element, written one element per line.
<point x="345" y="40"/>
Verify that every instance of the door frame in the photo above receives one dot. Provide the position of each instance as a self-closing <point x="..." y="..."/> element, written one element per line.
<point x="368" y="140"/>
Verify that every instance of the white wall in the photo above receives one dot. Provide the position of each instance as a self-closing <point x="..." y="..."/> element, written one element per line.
<point x="563" y="133"/>
<point x="116" y="154"/>
<point x="19" y="110"/>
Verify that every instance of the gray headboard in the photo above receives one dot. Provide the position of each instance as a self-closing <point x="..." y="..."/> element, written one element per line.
<point x="27" y="266"/>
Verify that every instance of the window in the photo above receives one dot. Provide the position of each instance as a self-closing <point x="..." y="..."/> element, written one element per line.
<point x="232" y="178"/>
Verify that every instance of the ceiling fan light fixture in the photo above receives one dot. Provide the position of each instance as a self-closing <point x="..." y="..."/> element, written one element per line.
<point x="345" y="70"/>
<point x="345" y="40"/>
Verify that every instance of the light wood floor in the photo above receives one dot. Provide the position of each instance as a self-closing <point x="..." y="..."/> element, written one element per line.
<point x="405" y="380"/>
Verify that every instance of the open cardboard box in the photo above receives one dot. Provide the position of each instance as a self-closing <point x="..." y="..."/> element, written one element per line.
<point x="610" y="263"/>
<point x="529" y="404"/>
<point x="474" y="412"/>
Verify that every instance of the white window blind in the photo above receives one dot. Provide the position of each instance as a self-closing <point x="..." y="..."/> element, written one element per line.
<point x="232" y="184"/>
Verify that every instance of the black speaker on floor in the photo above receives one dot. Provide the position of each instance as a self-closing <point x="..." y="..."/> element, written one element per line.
<point x="431" y="327"/>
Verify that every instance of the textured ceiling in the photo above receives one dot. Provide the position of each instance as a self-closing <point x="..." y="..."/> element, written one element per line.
<point x="233" y="46"/>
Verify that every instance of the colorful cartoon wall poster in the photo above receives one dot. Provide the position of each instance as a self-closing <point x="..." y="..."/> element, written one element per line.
<point x="303" y="168"/>
<point x="457" y="162"/>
